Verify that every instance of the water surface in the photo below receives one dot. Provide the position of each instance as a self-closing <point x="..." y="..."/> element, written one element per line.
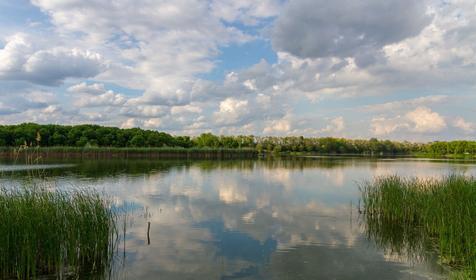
<point x="248" y="219"/>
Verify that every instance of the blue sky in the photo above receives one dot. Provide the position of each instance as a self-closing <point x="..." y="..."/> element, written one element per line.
<point x="238" y="57"/>
<point x="399" y="69"/>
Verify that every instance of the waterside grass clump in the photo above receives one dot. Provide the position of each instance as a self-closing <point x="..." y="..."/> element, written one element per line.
<point x="54" y="233"/>
<point x="421" y="216"/>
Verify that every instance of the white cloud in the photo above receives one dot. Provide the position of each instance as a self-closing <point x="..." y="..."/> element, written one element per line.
<point x="51" y="109"/>
<point x="41" y="97"/>
<point x="95" y="95"/>
<point x="130" y="123"/>
<point x="336" y="125"/>
<point x="424" y="120"/>
<point x="232" y="111"/>
<point x="153" y="123"/>
<point x="404" y="104"/>
<point x="93" y="89"/>
<point x="384" y="126"/>
<point x="52" y="66"/>
<point x="95" y="116"/>
<point x="14" y="53"/>
<point x="420" y="120"/>
<point x="462" y="124"/>
<point x="22" y="61"/>
<point x="443" y="52"/>
<point x="144" y="111"/>
<point x="157" y="46"/>
<point x="250" y="84"/>
<point x="278" y="127"/>
<point x="109" y="98"/>
<point x="24" y="101"/>
<point x="178" y="110"/>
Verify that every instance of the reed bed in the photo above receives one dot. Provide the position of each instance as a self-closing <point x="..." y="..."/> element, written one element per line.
<point x="424" y="216"/>
<point x="60" y="234"/>
<point x="130" y="152"/>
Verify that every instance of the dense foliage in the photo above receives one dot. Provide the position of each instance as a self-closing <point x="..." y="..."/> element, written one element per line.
<point x="99" y="136"/>
<point x="453" y="147"/>
<point x="333" y="145"/>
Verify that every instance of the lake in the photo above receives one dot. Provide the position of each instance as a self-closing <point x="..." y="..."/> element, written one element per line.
<point x="247" y="219"/>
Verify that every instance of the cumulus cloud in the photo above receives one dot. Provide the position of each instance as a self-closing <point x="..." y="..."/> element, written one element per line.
<point x="336" y="125"/>
<point x="425" y="120"/>
<point x="232" y="111"/>
<point x="420" y="120"/>
<point x="54" y="113"/>
<point x="384" y="126"/>
<point x="159" y="47"/>
<point x="443" y="54"/>
<point x="282" y="126"/>
<point x="130" y="123"/>
<point x="144" y="111"/>
<point x="464" y="125"/>
<point x="22" y="61"/>
<point x="187" y="109"/>
<point x="51" y="67"/>
<point x="17" y="103"/>
<point x="359" y="29"/>
<point x="107" y="99"/>
<point x="95" y="95"/>
<point x="153" y="123"/>
<point x="84" y="88"/>
<point x="294" y="124"/>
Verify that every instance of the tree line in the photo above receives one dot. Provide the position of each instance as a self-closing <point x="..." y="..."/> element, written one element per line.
<point x="88" y="135"/>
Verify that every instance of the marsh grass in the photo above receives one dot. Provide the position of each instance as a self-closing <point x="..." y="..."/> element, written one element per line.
<point x="55" y="233"/>
<point x="126" y="152"/>
<point x="423" y="216"/>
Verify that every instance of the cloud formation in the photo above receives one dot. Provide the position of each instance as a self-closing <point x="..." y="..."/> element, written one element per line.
<point x="393" y="69"/>
<point x="21" y="60"/>
<point x="421" y="120"/>
<point x="464" y="125"/>
<point x="95" y="95"/>
<point x="343" y="28"/>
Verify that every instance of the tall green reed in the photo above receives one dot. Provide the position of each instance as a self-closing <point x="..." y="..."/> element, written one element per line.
<point x="59" y="233"/>
<point x="417" y="216"/>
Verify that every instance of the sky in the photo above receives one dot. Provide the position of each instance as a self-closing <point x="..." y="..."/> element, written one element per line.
<point x="394" y="69"/>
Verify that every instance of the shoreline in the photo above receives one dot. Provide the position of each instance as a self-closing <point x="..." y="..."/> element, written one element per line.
<point x="112" y="152"/>
<point x="196" y="153"/>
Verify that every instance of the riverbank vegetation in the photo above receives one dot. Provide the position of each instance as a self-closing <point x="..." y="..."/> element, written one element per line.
<point x="54" y="233"/>
<point x="420" y="216"/>
<point x="94" y="152"/>
<point x="140" y="141"/>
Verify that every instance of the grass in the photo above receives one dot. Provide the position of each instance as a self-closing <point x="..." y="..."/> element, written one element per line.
<point x="54" y="233"/>
<point x="421" y="216"/>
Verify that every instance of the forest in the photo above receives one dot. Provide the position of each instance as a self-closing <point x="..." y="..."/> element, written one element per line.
<point x="87" y="135"/>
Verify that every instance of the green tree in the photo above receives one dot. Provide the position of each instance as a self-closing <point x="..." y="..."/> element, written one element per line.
<point x="207" y="140"/>
<point x="137" y="141"/>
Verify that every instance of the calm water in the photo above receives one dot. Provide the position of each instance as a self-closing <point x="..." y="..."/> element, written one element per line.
<point x="263" y="219"/>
